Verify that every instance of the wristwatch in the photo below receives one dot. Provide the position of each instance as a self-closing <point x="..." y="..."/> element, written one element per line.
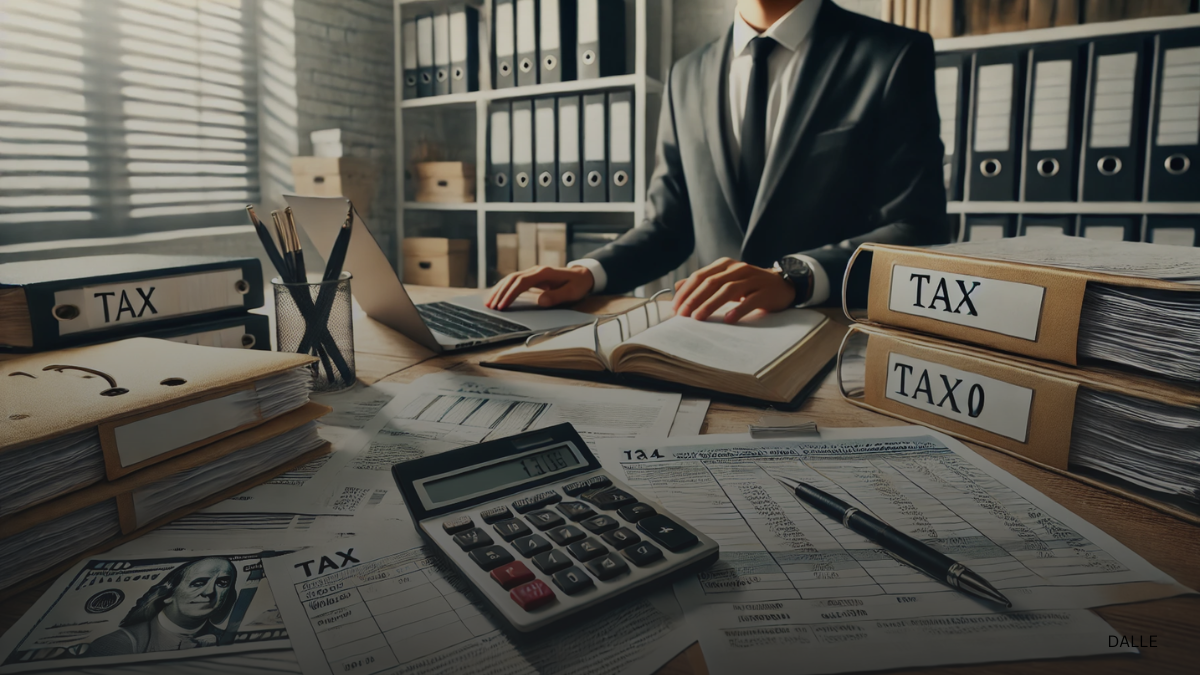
<point x="799" y="274"/>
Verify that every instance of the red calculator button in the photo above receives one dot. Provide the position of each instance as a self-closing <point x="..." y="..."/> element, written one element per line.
<point x="532" y="595"/>
<point x="512" y="574"/>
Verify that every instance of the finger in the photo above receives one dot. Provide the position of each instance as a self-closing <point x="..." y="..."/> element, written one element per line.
<point x="730" y="292"/>
<point x="524" y="282"/>
<point x="707" y="288"/>
<point x="498" y="290"/>
<point x="748" y="304"/>
<point x="696" y="279"/>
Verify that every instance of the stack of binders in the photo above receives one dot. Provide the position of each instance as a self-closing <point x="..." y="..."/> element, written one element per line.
<point x="561" y="149"/>
<point x="1081" y="356"/>
<point x="441" y="52"/>
<point x="546" y="41"/>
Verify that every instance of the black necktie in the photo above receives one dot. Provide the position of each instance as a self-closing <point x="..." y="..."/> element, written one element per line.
<point x="754" y="123"/>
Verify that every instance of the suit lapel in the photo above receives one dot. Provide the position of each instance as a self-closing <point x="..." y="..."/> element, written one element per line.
<point x="716" y="103"/>
<point x="824" y="52"/>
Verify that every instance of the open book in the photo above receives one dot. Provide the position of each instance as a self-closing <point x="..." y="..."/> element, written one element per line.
<point x="765" y="357"/>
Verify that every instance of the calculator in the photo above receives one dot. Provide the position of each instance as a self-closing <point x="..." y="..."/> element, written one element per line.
<point x="541" y="531"/>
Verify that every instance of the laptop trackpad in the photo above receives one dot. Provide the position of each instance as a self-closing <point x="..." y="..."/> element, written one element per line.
<point x="526" y="312"/>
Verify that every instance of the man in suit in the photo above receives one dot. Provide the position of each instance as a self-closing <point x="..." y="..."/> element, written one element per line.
<point x="802" y="132"/>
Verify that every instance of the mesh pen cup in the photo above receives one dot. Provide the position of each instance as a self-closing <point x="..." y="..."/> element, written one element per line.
<point x="315" y="319"/>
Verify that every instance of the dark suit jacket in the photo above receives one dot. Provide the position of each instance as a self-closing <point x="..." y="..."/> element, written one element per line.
<point x="858" y="157"/>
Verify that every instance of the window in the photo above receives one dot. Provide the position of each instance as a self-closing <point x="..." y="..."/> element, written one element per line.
<point x="125" y="116"/>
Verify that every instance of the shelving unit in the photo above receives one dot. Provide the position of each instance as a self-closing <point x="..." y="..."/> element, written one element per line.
<point x="452" y="119"/>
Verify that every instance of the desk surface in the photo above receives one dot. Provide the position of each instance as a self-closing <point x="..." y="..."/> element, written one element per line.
<point x="1171" y="545"/>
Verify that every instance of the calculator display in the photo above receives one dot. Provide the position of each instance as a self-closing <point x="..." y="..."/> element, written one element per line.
<point x="487" y="478"/>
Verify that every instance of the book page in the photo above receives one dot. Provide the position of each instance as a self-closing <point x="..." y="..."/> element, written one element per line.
<point x="1094" y="255"/>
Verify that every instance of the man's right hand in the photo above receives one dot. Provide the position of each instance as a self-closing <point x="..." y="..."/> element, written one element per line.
<point x="559" y="285"/>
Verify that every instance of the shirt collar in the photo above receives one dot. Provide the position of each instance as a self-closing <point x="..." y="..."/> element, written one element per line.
<point x="790" y="30"/>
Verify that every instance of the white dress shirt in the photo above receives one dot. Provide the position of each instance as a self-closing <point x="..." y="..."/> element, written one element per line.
<point x="791" y="33"/>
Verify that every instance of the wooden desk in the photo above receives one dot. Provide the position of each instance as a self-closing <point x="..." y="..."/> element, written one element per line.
<point x="1171" y="545"/>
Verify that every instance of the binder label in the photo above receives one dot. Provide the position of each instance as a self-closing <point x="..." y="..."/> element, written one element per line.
<point x="149" y="299"/>
<point x="946" y="91"/>
<point x="994" y="108"/>
<point x="982" y="402"/>
<point x="1179" y="109"/>
<point x="1004" y="307"/>
<point x="1112" y="102"/>
<point x="1050" y="126"/>
<point x="549" y="25"/>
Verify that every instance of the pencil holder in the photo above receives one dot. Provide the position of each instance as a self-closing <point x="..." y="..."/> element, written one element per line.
<point x="315" y="318"/>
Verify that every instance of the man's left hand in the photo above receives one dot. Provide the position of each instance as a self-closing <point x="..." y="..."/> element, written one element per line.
<point x="728" y="280"/>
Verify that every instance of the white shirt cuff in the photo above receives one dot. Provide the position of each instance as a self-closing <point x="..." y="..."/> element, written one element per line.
<point x="600" y="279"/>
<point x="820" y="281"/>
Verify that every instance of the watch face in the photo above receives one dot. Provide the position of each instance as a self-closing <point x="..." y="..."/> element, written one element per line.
<point x="796" y="269"/>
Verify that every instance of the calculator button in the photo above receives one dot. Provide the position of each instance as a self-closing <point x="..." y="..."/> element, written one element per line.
<point x="541" y="499"/>
<point x="587" y="549"/>
<point x="600" y="524"/>
<point x="532" y="595"/>
<point x="531" y="545"/>
<point x="643" y="554"/>
<point x="566" y="534"/>
<point x="592" y="483"/>
<point x="511" y="529"/>
<point x="544" y="519"/>
<point x="572" y="580"/>
<point x="551" y="561"/>
<point x="607" y="567"/>
<point x="512" y="574"/>
<point x="621" y="537"/>
<point x="472" y="538"/>
<point x="491" y="557"/>
<point x="495" y="513"/>
<point x="666" y="532"/>
<point x="608" y="498"/>
<point x="635" y="512"/>
<point x="456" y="525"/>
<point x="575" y="510"/>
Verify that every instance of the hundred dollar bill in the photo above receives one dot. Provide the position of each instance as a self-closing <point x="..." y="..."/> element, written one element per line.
<point x="125" y="609"/>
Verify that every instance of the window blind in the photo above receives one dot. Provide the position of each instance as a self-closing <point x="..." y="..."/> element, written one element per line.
<point x="125" y="116"/>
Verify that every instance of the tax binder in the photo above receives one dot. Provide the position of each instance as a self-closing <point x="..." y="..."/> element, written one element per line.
<point x="620" y="146"/>
<point x="527" y="44"/>
<point x="1174" y="142"/>
<point x="1042" y="226"/>
<point x="408" y="33"/>
<point x="951" y="76"/>
<point x="464" y="49"/>
<point x="522" y="150"/>
<point x="595" y="143"/>
<point x="601" y="34"/>
<point x="983" y="227"/>
<point x="441" y="53"/>
<point x="1111" y="228"/>
<point x="499" y="167"/>
<point x="1111" y="156"/>
<point x="504" y="44"/>
<point x="996" y="123"/>
<point x="1051" y="133"/>
<point x="425" y="66"/>
<point x="569" y="147"/>
<point x="556" y="41"/>
<point x="545" y="145"/>
<point x="1173" y="230"/>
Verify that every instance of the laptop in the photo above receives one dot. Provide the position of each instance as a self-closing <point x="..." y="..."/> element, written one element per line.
<point x="452" y="325"/>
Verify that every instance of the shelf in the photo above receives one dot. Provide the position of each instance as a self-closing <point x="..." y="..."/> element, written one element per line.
<point x="653" y="86"/>
<point x="1072" y="208"/>
<point x="560" y="207"/>
<point x="1080" y="32"/>
<point x="434" y="206"/>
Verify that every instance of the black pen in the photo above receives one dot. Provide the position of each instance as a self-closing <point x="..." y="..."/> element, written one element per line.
<point x="911" y="551"/>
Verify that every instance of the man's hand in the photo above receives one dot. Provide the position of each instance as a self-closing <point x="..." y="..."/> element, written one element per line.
<point x="560" y="284"/>
<point x="727" y="280"/>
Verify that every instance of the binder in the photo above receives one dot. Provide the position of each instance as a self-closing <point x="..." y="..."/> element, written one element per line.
<point x="1110" y="162"/>
<point x="441" y="53"/>
<point x="620" y="146"/>
<point x="504" y="41"/>
<point x="545" y="145"/>
<point x="1173" y="174"/>
<point x="1051" y="143"/>
<point x="527" y="43"/>
<point x="569" y="149"/>
<point x="595" y="145"/>
<point x="522" y="150"/>
<point x="1043" y="226"/>
<point x="996" y="123"/>
<point x="600" y="30"/>
<point x="556" y="40"/>
<point x="499" y="167"/>
<point x="248" y="331"/>
<point x="425" y="65"/>
<point x="409" y="34"/>
<point x="1111" y="228"/>
<point x="981" y="227"/>
<point x="1173" y="230"/>
<point x="951" y="76"/>
<point x="464" y="49"/>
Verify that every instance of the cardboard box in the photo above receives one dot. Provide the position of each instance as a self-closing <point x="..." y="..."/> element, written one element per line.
<point x="445" y="182"/>
<point x="346" y="177"/>
<point x="527" y="245"/>
<point x="506" y="253"/>
<point x="436" y="261"/>
<point x="552" y="244"/>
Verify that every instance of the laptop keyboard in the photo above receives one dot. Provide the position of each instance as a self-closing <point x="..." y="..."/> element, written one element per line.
<point x="465" y="324"/>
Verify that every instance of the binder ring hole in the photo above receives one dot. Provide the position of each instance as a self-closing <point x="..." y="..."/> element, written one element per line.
<point x="1109" y="165"/>
<point x="505" y="68"/>
<point x="458" y="74"/>
<point x="545" y="179"/>
<point x="589" y="57"/>
<point x="114" y="391"/>
<point x="425" y="78"/>
<point x="522" y="179"/>
<point x="501" y="180"/>
<point x="443" y="183"/>
<point x="990" y="168"/>
<point x="526" y="65"/>
<point x="620" y="178"/>
<point x="425" y="265"/>
<point x="441" y="76"/>
<point x="248" y="340"/>
<point x="550" y="62"/>
<point x="594" y="178"/>
<point x="568" y="178"/>
<point x="1177" y="164"/>
<point x="173" y="382"/>
<point x="65" y="312"/>
<point x="410" y="80"/>
<point x="318" y="179"/>
<point x="1047" y="167"/>
<point x="241" y="286"/>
